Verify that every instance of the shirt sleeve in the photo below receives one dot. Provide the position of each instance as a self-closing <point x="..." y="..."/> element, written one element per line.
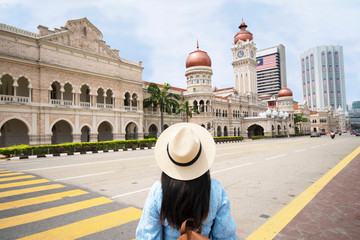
<point x="224" y="226"/>
<point x="149" y="226"/>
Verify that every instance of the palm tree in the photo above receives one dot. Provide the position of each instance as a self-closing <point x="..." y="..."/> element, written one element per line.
<point x="299" y="118"/>
<point x="184" y="107"/>
<point x="161" y="98"/>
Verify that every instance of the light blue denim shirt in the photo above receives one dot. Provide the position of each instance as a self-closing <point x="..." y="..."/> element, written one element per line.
<point x="219" y="217"/>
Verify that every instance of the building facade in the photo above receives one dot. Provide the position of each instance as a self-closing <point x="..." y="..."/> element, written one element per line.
<point x="271" y="70"/>
<point x="354" y="115"/>
<point x="323" y="79"/>
<point x="68" y="85"/>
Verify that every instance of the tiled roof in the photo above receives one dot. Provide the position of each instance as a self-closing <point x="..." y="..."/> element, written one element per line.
<point x="221" y="97"/>
<point x="172" y="88"/>
<point x="218" y="90"/>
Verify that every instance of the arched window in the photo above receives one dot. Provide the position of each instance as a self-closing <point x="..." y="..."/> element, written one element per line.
<point x="202" y="107"/>
<point x="55" y="92"/>
<point x="127" y="99"/>
<point x="85" y="96"/>
<point x="109" y="98"/>
<point x="6" y="86"/>
<point x="100" y="99"/>
<point x="134" y="100"/>
<point x="195" y="104"/>
<point x="68" y="94"/>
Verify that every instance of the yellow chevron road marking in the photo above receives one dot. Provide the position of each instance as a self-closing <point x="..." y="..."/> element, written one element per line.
<point x="41" y="199"/>
<point x="4" y="171"/>
<point x="10" y="174"/>
<point x="15" y="178"/>
<point x="51" y="212"/>
<point x="29" y="190"/>
<point x="88" y="226"/>
<point x="17" y="184"/>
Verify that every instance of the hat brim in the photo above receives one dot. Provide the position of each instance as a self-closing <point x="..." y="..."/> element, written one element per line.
<point x="202" y="164"/>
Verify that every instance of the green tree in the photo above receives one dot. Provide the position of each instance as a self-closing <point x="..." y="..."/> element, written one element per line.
<point x="161" y="98"/>
<point x="298" y="118"/>
<point x="185" y="107"/>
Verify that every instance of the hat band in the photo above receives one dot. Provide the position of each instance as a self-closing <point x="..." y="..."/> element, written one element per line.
<point x="184" y="164"/>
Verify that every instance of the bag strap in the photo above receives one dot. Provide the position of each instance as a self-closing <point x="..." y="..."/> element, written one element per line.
<point x="183" y="226"/>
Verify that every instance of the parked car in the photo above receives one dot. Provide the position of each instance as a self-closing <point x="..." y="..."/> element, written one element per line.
<point x="323" y="133"/>
<point x="315" y="134"/>
<point x="357" y="133"/>
<point x="352" y="132"/>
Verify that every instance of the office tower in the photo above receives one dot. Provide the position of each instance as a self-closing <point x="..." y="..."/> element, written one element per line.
<point x="271" y="70"/>
<point x="323" y="80"/>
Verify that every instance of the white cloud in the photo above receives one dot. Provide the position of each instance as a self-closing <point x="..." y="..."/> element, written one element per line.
<point x="169" y="30"/>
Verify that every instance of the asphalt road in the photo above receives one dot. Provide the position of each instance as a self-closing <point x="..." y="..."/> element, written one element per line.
<point x="261" y="177"/>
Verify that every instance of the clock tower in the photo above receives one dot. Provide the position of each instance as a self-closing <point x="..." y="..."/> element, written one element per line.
<point x="244" y="61"/>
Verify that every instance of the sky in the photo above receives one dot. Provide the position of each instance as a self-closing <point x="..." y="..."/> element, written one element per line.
<point x="162" y="33"/>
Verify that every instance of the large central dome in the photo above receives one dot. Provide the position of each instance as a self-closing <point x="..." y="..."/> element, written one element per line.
<point x="243" y="34"/>
<point x="198" y="58"/>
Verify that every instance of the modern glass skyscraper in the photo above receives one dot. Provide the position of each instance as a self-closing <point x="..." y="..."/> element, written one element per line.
<point x="323" y="79"/>
<point x="271" y="70"/>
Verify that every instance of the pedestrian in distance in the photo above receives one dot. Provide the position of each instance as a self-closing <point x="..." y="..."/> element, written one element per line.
<point x="185" y="152"/>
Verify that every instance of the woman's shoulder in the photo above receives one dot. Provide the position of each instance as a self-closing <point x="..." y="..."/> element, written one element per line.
<point x="155" y="192"/>
<point x="216" y="185"/>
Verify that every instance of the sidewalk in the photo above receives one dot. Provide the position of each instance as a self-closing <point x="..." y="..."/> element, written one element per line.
<point x="334" y="213"/>
<point x="329" y="209"/>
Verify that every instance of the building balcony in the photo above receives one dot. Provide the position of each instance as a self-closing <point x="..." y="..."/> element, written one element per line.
<point x="14" y="99"/>
<point x="60" y="102"/>
<point x="131" y="108"/>
<point x="103" y="105"/>
<point x="85" y="104"/>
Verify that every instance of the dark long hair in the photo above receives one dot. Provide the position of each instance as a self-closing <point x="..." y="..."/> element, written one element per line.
<point x="185" y="199"/>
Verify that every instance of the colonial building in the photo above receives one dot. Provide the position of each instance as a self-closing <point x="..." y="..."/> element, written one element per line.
<point x="68" y="85"/>
<point x="233" y="111"/>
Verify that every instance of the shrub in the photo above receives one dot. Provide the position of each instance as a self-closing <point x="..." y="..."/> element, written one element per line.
<point x="26" y="150"/>
<point x="228" y="139"/>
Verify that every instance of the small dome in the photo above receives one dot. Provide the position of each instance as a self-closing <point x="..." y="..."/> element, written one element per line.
<point x="198" y="58"/>
<point x="268" y="112"/>
<point x="285" y="92"/>
<point x="274" y="113"/>
<point x="243" y="34"/>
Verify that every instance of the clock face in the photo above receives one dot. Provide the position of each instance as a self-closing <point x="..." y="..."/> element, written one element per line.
<point x="240" y="54"/>
<point x="252" y="54"/>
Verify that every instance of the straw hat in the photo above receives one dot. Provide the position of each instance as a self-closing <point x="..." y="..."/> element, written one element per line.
<point x="185" y="151"/>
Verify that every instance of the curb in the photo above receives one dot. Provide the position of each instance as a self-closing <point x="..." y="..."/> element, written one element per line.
<point x="92" y="152"/>
<point x="76" y="153"/>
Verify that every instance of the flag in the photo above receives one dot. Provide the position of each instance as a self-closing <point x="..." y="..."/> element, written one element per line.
<point x="266" y="62"/>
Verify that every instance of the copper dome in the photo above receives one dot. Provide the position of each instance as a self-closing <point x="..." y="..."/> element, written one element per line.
<point x="243" y="34"/>
<point x="198" y="58"/>
<point x="285" y="92"/>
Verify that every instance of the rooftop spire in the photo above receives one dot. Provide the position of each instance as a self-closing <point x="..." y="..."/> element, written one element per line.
<point x="197" y="44"/>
